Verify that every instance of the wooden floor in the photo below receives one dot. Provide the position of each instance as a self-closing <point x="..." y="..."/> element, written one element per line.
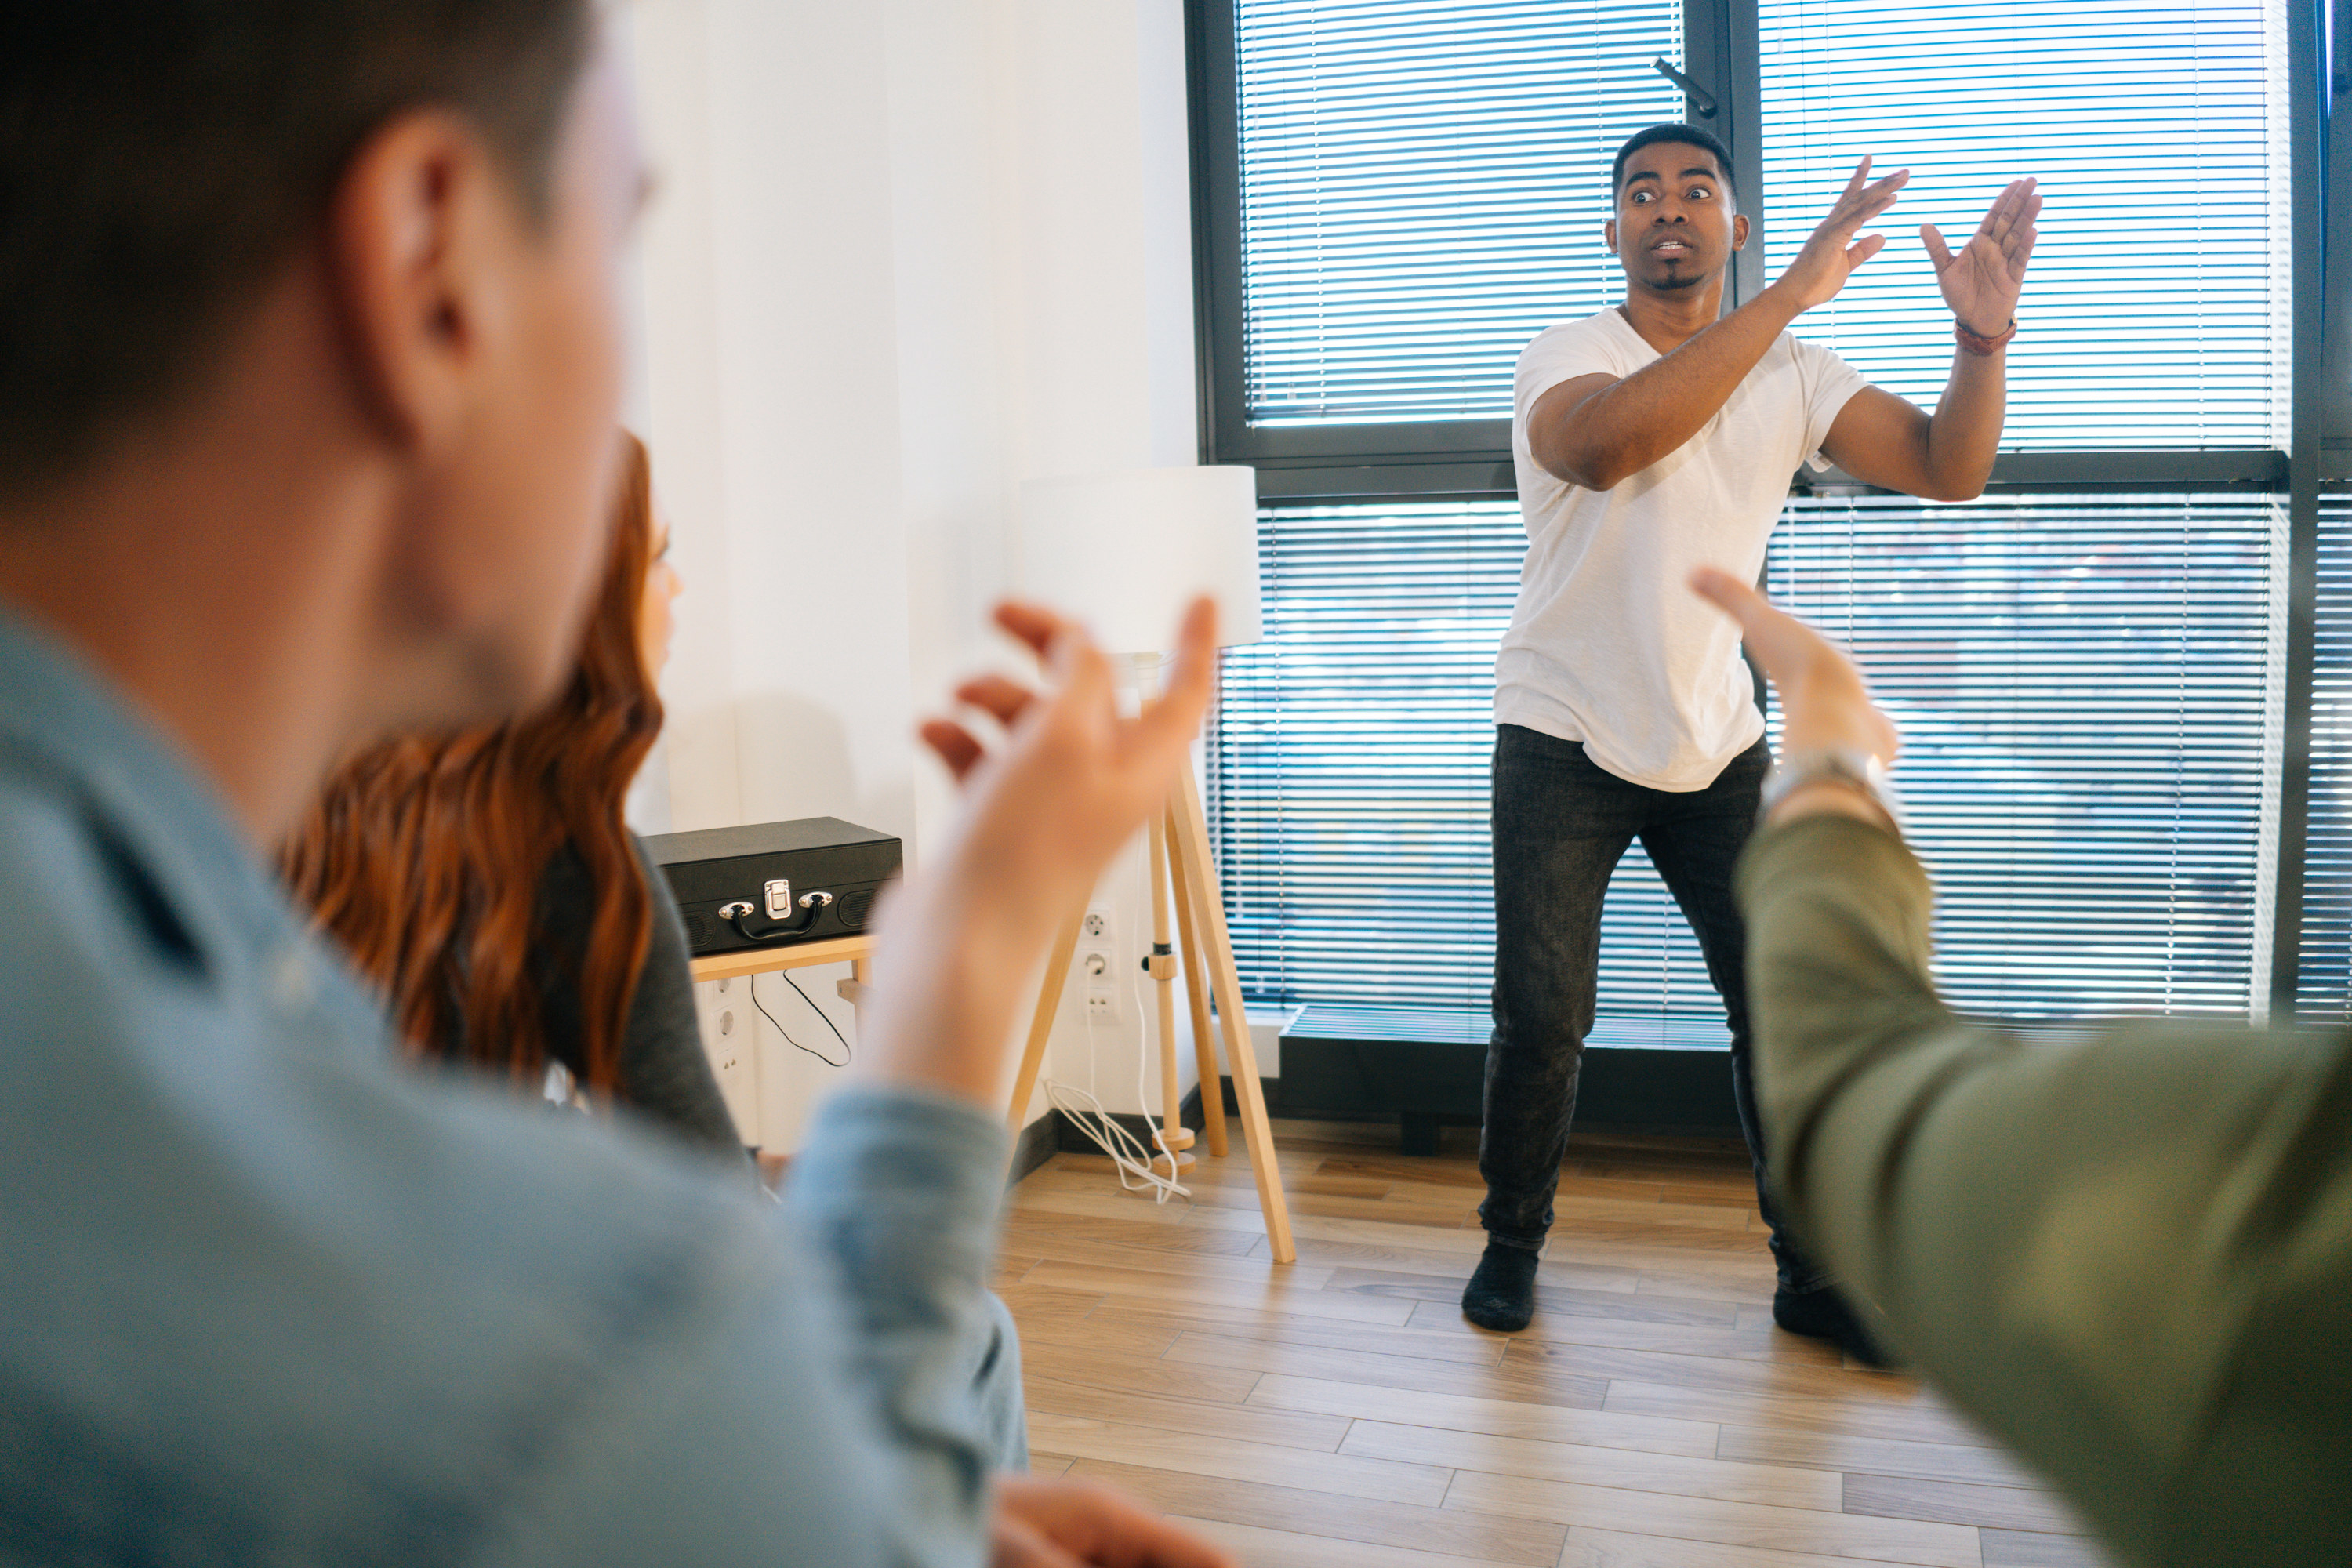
<point x="1339" y="1411"/>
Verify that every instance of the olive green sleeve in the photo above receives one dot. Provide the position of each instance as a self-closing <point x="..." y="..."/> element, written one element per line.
<point x="2100" y="1247"/>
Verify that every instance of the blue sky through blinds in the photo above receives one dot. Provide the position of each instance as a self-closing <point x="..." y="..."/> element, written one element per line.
<point x="2324" y="989"/>
<point x="2086" y="686"/>
<point x="2154" y="314"/>
<point x="2090" y="713"/>
<point x="1422" y="188"/>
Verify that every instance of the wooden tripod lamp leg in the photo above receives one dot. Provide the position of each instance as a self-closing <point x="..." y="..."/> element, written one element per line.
<point x="1196" y="992"/>
<point x="1160" y="964"/>
<point x="1208" y="909"/>
<point x="1041" y="1029"/>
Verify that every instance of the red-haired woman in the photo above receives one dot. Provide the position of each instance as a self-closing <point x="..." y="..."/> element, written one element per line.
<point x="485" y="882"/>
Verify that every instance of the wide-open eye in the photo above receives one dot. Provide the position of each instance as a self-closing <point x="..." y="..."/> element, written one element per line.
<point x="1700" y="193"/>
<point x="1642" y="198"/>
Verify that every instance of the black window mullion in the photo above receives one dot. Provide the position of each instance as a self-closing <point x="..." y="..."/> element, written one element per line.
<point x="2309" y="86"/>
<point x="2335" y="258"/>
<point x="1216" y="228"/>
<point x="1719" y="36"/>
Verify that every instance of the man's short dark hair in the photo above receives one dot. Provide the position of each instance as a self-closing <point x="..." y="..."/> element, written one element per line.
<point x="1689" y="134"/>
<point x="159" y="159"/>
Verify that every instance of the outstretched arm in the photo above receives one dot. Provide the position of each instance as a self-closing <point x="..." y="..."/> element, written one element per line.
<point x="907" y="1214"/>
<point x="1596" y="430"/>
<point x="1883" y="440"/>
<point x="2113" y="1252"/>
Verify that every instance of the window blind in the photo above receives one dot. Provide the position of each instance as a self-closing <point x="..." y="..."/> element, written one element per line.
<point x="2155" y="311"/>
<point x="1423" y="189"/>
<point x="2089" y="703"/>
<point x="1348" y="774"/>
<point x="2085" y="683"/>
<point x="2324" y="978"/>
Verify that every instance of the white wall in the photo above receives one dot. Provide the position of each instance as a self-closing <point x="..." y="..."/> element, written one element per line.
<point x="904" y="255"/>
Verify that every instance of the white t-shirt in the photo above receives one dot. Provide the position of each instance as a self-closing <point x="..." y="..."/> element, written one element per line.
<point x="1608" y="645"/>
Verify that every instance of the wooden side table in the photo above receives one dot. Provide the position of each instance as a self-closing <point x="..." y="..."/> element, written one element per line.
<point x="856" y="950"/>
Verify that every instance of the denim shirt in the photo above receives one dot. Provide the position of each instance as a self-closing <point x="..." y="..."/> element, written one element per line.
<point x="269" y="1295"/>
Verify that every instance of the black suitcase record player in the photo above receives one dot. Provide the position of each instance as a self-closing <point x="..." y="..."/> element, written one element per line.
<point x="771" y="883"/>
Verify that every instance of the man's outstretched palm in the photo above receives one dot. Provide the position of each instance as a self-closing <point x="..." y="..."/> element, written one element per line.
<point x="1980" y="280"/>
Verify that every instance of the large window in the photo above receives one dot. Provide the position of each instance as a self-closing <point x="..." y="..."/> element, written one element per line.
<point x="2096" y="662"/>
<point x="2084" y="683"/>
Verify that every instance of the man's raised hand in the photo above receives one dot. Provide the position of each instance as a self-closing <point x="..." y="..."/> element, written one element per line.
<point x="1830" y="257"/>
<point x="1980" y="280"/>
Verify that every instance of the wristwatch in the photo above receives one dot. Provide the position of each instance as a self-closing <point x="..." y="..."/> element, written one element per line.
<point x="1849" y="765"/>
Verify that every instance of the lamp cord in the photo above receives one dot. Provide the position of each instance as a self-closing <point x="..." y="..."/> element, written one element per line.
<point x="848" y="1053"/>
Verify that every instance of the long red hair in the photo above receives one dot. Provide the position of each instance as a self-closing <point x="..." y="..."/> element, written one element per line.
<point x="423" y="855"/>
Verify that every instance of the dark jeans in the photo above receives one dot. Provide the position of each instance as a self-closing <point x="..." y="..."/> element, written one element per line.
<point x="1561" y="823"/>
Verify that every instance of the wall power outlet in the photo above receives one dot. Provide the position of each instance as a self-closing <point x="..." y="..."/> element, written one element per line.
<point x="733" y="1050"/>
<point x="1102" y="1006"/>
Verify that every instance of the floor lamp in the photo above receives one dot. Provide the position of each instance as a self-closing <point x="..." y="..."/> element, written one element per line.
<point x="1127" y="551"/>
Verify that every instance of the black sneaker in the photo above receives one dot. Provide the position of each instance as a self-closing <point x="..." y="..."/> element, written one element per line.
<point x="1823" y="1314"/>
<point x="1501" y="1295"/>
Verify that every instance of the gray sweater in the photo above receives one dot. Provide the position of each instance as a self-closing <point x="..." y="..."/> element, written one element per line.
<point x="665" y="1074"/>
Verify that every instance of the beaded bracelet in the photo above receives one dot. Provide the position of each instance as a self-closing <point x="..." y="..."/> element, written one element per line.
<point x="1977" y="344"/>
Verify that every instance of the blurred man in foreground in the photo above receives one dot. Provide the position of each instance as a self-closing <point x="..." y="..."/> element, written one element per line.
<point x="2130" y="1257"/>
<point x="310" y="360"/>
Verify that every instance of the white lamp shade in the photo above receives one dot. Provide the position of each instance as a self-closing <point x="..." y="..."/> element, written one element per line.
<point x="1126" y="550"/>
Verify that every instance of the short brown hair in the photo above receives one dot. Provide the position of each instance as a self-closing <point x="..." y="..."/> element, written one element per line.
<point x="159" y="158"/>
<point x="1686" y="136"/>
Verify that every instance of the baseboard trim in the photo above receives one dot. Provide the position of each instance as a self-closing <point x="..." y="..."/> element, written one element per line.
<point x="1685" y="1091"/>
<point x="1644" y="1104"/>
<point x="1035" y="1145"/>
<point x="1067" y="1139"/>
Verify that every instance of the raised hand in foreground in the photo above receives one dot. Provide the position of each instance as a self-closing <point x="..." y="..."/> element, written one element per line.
<point x="1824" y="704"/>
<point x="1044" y="812"/>
<point x="960" y="942"/>
<point x="1051" y="1522"/>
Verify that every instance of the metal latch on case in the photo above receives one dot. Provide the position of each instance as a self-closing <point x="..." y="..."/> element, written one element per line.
<point x="780" y="899"/>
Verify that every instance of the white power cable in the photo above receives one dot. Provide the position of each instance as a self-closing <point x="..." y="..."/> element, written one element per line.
<point x="1085" y="1110"/>
<point x="1135" y="1174"/>
<point x="1127" y="1153"/>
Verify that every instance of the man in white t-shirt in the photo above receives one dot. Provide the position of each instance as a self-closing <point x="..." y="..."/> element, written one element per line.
<point x="1649" y="439"/>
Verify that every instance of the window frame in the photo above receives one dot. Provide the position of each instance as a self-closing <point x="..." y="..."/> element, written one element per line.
<point x="1471" y="459"/>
